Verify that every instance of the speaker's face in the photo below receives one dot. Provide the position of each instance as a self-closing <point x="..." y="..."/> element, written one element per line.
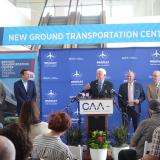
<point x="130" y="77"/>
<point x="100" y="75"/>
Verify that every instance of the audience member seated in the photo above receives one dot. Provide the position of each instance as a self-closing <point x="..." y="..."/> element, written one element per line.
<point x="49" y="146"/>
<point x="30" y="121"/>
<point x="20" y="140"/>
<point x="155" y="147"/>
<point x="7" y="150"/>
<point x="145" y="129"/>
<point x="128" y="154"/>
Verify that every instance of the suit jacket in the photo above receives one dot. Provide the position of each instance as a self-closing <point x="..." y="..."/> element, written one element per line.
<point x="22" y="95"/>
<point x="105" y="92"/>
<point x="152" y="92"/>
<point x="138" y="94"/>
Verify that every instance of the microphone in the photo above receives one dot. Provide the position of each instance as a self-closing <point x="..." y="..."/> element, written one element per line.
<point x="74" y="99"/>
<point x="112" y="91"/>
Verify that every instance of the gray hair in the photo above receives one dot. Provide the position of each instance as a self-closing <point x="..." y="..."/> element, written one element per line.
<point x="7" y="149"/>
<point x="156" y="72"/>
<point x="102" y="70"/>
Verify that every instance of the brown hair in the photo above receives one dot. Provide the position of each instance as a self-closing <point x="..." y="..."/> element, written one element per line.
<point x="22" y="71"/>
<point x="59" y="121"/>
<point x="29" y="115"/>
<point x="20" y="140"/>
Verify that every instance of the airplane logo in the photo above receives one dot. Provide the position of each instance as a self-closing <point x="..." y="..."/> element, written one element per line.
<point x="76" y="74"/>
<point x="50" y="56"/>
<point x="51" y="93"/>
<point x="103" y="55"/>
<point x="156" y="54"/>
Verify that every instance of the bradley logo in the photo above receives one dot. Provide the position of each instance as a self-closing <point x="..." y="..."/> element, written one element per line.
<point x="155" y="55"/>
<point x="50" y="60"/>
<point x="155" y="58"/>
<point x="102" y="59"/>
<point x="50" y="56"/>
<point x="51" y="98"/>
<point x="102" y="56"/>
<point x="76" y="74"/>
<point x="51" y="94"/>
<point x="76" y="78"/>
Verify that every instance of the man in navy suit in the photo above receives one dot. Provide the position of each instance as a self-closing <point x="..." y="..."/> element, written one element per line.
<point x="24" y="89"/>
<point x="132" y="95"/>
<point x="99" y="88"/>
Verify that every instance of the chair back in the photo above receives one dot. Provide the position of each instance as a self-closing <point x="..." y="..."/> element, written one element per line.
<point x="76" y="152"/>
<point x="147" y="147"/>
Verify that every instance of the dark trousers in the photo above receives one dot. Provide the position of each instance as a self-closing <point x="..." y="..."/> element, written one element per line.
<point x="128" y="114"/>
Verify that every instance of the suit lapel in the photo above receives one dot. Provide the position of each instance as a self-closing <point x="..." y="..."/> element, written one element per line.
<point x="154" y="91"/>
<point x="28" y="84"/>
<point x="126" y="90"/>
<point x="96" y="86"/>
<point x="22" y="86"/>
<point x="134" y="89"/>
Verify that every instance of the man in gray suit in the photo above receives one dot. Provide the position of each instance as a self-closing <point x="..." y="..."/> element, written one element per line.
<point x="153" y="90"/>
<point x="132" y="95"/>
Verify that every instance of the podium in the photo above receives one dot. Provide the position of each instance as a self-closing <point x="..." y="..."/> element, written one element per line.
<point x="96" y="111"/>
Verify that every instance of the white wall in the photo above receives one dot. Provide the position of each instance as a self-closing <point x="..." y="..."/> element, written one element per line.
<point x="10" y="16"/>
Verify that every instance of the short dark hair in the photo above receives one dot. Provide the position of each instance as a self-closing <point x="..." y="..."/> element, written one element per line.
<point x="20" y="139"/>
<point x="128" y="154"/>
<point x="22" y="71"/>
<point x="59" y="121"/>
<point x="154" y="105"/>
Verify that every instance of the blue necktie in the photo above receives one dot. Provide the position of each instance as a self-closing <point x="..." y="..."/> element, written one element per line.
<point x="99" y="87"/>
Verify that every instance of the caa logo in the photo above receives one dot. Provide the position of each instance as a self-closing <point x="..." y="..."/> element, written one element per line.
<point x="102" y="56"/>
<point x="156" y="55"/>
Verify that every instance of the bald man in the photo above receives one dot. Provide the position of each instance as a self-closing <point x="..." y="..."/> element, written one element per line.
<point x="7" y="150"/>
<point x="130" y="102"/>
<point x="153" y="90"/>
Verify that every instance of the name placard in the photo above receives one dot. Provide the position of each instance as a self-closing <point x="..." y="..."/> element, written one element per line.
<point x="96" y="106"/>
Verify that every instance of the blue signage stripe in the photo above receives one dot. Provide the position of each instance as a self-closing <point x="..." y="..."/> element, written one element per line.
<point x="1" y="34"/>
<point x="82" y="34"/>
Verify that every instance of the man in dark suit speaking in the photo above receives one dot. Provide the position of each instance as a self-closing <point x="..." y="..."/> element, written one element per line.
<point x="24" y="89"/>
<point x="132" y="95"/>
<point x="99" y="88"/>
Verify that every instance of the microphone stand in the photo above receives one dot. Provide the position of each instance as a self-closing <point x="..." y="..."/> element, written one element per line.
<point x="124" y="115"/>
<point x="76" y="100"/>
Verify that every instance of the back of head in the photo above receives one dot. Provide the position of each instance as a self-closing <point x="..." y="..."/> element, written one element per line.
<point x="29" y="115"/>
<point x="20" y="140"/>
<point x="154" y="106"/>
<point x="7" y="150"/>
<point x="59" y="121"/>
<point x="128" y="154"/>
